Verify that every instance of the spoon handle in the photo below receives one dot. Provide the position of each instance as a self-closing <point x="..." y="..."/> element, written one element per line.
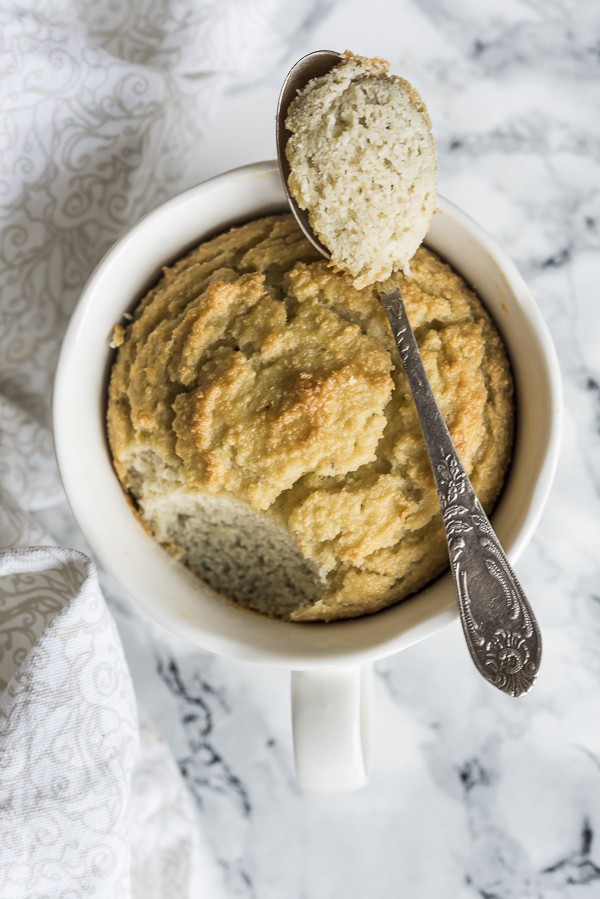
<point x="499" y="626"/>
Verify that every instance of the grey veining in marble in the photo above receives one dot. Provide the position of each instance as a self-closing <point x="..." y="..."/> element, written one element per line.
<point x="473" y="794"/>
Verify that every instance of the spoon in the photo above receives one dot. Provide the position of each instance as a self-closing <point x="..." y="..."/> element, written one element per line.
<point x="499" y="626"/>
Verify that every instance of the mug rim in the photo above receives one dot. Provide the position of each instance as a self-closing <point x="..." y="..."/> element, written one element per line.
<point x="312" y="656"/>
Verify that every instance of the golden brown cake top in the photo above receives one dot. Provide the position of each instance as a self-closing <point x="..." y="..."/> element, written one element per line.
<point x="255" y="371"/>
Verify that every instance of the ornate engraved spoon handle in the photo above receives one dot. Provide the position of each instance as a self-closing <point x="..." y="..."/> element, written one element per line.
<point x="499" y="626"/>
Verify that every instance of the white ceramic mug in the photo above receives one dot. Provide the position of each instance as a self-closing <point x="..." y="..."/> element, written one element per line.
<point x="330" y="663"/>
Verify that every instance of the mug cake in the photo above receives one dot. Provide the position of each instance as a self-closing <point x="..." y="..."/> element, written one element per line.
<point x="263" y="428"/>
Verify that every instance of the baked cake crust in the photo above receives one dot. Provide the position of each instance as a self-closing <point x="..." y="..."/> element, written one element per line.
<point x="257" y="384"/>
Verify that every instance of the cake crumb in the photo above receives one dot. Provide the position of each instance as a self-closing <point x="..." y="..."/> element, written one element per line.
<point x="118" y="337"/>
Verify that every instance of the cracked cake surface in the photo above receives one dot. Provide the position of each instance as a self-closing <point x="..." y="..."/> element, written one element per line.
<point x="260" y="420"/>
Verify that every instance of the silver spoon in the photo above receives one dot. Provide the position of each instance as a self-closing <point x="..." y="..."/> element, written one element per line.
<point x="499" y="626"/>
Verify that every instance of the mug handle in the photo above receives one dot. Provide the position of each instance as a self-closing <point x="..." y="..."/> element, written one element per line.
<point x="331" y="726"/>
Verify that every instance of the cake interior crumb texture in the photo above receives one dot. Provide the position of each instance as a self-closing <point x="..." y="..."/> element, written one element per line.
<point x="363" y="164"/>
<point x="261" y="422"/>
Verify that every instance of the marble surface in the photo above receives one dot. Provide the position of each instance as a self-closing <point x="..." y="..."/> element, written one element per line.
<point x="473" y="794"/>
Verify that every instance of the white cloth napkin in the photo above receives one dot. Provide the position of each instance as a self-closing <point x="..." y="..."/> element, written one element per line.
<point x="88" y="806"/>
<point x="103" y="107"/>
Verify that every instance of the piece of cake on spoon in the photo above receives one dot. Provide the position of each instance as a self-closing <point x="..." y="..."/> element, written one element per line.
<point x="363" y="163"/>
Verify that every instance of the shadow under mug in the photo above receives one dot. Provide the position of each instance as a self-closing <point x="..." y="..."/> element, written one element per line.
<point x="330" y="663"/>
